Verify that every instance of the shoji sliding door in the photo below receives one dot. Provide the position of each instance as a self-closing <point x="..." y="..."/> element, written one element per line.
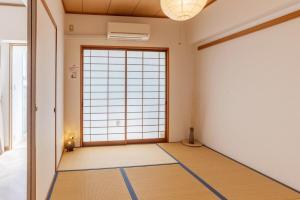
<point x="124" y="95"/>
<point x="103" y="95"/>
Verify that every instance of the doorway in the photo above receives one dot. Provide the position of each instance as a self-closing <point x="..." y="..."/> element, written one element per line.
<point x="18" y="95"/>
<point x="13" y="161"/>
<point x="15" y="154"/>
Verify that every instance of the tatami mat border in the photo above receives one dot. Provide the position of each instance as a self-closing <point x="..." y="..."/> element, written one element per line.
<point x="120" y="168"/>
<point x="131" y="190"/>
<point x="127" y="181"/>
<point x="52" y="186"/>
<point x="217" y="193"/>
<point x="91" y="169"/>
<point x="128" y="184"/>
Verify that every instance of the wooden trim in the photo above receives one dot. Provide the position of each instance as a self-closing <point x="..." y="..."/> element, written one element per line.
<point x="147" y="141"/>
<point x="126" y="48"/>
<point x="81" y="95"/>
<point x="262" y="26"/>
<point x="55" y="104"/>
<point x="112" y="143"/>
<point x="31" y="100"/>
<point x="126" y="94"/>
<point x="49" y="12"/>
<point x="108" y="143"/>
<point x="143" y="99"/>
<point x="13" y="4"/>
<point x="55" y="108"/>
<point x="95" y="47"/>
<point x="167" y="95"/>
<point x="209" y="3"/>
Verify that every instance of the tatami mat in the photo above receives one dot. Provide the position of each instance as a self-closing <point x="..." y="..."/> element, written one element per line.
<point x="230" y="178"/>
<point x="114" y="156"/>
<point x="90" y="185"/>
<point x="169" y="182"/>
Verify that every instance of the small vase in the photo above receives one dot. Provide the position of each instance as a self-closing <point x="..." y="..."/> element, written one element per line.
<point x="191" y="137"/>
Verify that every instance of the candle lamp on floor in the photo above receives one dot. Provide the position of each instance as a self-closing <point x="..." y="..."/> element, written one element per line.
<point x="70" y="144"/>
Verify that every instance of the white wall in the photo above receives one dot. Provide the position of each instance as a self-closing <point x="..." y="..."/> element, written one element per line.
<point x="90" y="30"/>
<point x="222" y="17"/>
<point x="45" y="149"/>
<point x="13" y="23"/>
<point x="247" y="91"/>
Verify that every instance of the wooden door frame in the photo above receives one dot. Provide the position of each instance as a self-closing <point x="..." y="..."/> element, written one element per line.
<point x="138" y="141"/>
<point x="31" y="100"/>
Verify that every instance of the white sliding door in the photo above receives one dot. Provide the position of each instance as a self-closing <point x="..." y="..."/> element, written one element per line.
<point x="45" y="101"/>
<point x="146" y="95"/>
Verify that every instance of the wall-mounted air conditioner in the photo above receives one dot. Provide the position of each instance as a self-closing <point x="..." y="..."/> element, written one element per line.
<point x="128" y="31"/>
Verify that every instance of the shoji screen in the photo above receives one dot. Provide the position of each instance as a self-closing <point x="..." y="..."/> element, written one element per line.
<point x="146" y="94"/>
<point x="103" y="95"/>
<point x="123" y="95"/>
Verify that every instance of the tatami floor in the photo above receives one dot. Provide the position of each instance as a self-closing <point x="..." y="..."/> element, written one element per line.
<point x="178" y="173"/>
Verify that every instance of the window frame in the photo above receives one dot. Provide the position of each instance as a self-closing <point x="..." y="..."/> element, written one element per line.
<point x="136" y="141"/>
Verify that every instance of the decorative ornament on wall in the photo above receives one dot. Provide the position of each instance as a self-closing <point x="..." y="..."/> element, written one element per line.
<point x="73" y="71"/>
<point x="181" y="10"/>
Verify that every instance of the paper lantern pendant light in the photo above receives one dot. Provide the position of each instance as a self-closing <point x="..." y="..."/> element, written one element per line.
<point x="181" y="10"/>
